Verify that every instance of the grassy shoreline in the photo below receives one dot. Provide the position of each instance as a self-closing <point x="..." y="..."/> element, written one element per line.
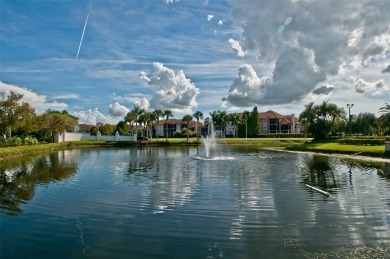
<point x="291" y="144"/>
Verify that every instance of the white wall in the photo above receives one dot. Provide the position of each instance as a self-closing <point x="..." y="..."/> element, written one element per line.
<point x="75" y="136"/>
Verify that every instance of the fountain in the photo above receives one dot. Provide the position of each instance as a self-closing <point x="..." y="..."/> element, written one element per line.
<point x="210" y="144"/>
<point x="209" y="141"/>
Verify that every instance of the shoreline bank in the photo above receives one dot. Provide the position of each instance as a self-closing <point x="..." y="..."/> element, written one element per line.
<point x="279" y="144"/>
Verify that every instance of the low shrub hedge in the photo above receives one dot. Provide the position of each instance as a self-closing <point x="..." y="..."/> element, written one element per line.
<point x="363" y="141"/>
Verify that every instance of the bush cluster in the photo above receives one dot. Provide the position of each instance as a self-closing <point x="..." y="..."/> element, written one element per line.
<point x="282" y="135"/>
<point x="183" y="134"/>
<point x="18" y="141"/>
<point x="363" y="141"/>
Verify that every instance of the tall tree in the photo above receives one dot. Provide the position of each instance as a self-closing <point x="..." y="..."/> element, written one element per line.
<point x="198" y="115"/>
<point x="243" y="127"/>
<point x="320" y="120"/>
<point x="143" y="119"/>
<point x="136" y="112"/>
<point x="54" y="122"/>
<point x="27" y="120"/>
<point x="223" y="118"/>
<point x="234" y="119"/>
<point x="107" y="129"/>
<point x="158" y="113"/>
<point x="9" y="105"/>
<point x="384" y="118"/>
<point x="187" y="118"/>
<point x="253" y="123"/>
<point x="122" y="128"/>
<point x="130" y="118"/>
<point x="219" y="119"/>
<point x="94" y="130"/>
<point x="364" y="123"/>
<point x="167" y="115"/>
<point x="70" y="121"/>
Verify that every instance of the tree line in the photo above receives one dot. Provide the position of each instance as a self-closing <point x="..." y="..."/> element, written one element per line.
<point x="18" y="118"/>
<point x="325" y="119"/>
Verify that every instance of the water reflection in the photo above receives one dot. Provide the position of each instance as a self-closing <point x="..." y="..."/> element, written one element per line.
<point x="161" y="202"/>
<point x="19" y="178"/>
<point x="170" y="181"/>
<point x="320" y="172"/>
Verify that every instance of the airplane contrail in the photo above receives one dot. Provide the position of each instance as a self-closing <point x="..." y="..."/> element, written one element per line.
<point x="82" y="35"/>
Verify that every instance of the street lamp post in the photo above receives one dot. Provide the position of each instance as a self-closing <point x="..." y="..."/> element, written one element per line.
<point x="246" y="128"/>
<point x="349" y="106"/>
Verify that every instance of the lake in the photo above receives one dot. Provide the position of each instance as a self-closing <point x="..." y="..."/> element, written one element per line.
<point x="168" y="202"/>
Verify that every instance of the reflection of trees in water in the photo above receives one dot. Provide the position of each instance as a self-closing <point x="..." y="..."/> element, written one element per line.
<point x="18" y="178"/>
<point x="321" y="173"/>
<point x="383" y="169"/>
<point x="385" y="172"/>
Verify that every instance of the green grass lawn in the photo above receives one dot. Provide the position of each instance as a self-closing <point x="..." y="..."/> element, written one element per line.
<point x="298" y="144"/>
<point x="330" y="147"/>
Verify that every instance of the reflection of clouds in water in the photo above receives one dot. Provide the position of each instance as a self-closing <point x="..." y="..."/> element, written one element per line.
<point x="356" y="193"/>
<point x="254" y="193"/>
<point x="167" y="183"/>
<point x="174" y="189"/>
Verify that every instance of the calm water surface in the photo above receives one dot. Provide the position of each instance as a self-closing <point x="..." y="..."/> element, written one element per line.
<point x="166" y="203"/>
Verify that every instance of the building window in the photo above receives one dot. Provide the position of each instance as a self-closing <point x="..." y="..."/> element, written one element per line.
<point x="285" y="128"/>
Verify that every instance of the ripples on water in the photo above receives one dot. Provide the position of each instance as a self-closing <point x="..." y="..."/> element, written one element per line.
<point x="171" y="202"/>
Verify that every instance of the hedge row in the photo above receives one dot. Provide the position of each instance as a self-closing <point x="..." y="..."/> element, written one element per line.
<point x="368" y="141"/>
<point x="283" y="135"/>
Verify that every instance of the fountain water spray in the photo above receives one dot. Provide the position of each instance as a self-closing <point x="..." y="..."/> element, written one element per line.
<point x="210" y="144"/>
<point x="209" y="141"/>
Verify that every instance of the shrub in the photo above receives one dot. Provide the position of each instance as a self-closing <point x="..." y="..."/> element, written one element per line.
<point x="282" y="135"/>
<point x="30" y="141"/>
<point x="369" y="141"/>
<point x="183" y="134"/>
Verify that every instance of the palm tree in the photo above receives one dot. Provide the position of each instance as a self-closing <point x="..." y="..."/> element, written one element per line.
<point x="130" y="117"/>
<point x="167" y="114"/>
<point x="308" y="116"/>
<point x="244" y="119"/>
<point x="137" y="111"/>
<point x="142" y="120"/>
<point x="198" y="115"/>
<point x="223" y="120"/>
<point x="147" y="118"/>
<point x="158" y="114"/>
<point x="187" y="118"/>
<point x="234" y="119"/>
<point x="320" y="119"/>
<point x="215" y="118"/>
<point x="384" y="119"/>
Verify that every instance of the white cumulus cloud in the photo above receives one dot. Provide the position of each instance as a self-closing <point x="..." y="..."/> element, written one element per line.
<point x="172" y="90"/>
<point x="375" y="88"/>
<point x="317" y="40"/>
<point x="38" y="101"/>
<point x="91" y="117"/>
<point x="117" y="110"/>
<point x="210" y="17"/>
<point x="247" y="88"/>
<point x="143" y="103"/>
<point x="236" y="45"/>
<point x="170" y="1"/>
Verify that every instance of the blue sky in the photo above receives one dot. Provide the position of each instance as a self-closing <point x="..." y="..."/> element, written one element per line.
<point x="191" y="55"/>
